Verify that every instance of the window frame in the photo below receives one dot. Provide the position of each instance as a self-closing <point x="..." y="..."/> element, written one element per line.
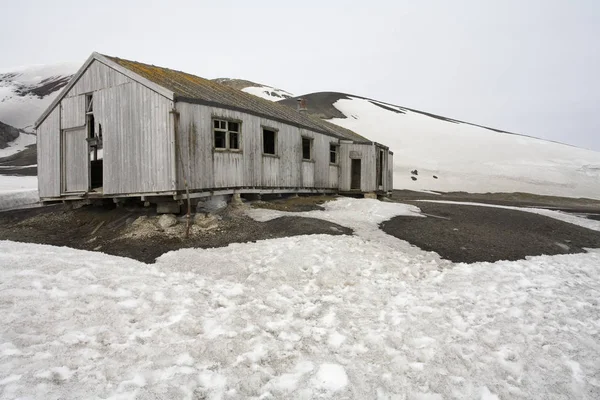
<point x="337" y="153"/>
<point x="228" y="134"/>
<point x="311" y="148"/>
<point x="275" y="140"/>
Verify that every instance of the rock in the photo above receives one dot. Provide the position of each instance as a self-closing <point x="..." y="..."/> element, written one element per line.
<point x="205" y="221"/>
<point x="167" y="220"/>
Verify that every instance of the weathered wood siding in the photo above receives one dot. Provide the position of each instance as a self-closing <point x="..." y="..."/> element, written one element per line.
<point x="334" y="172"/>
<point x="97" y="76"/>
<point x="48" y="155"/>
<point x="137" y="130"/>
<point x="75" y="170"/>
<point x="207" y="168"/>
<point x="367" y="155"/>
<point x="72" y="112"/>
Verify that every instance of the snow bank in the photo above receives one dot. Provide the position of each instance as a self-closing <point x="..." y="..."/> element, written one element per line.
<point x="17" y="191"/>
<point x="469" y="158"/>
<point x="299" y="317"/>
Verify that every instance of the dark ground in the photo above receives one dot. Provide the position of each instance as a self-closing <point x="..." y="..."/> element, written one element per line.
<point x="471" y="234"/>
<point x="61" y="226"/>
<point x="568" y="204"/>
<point x="459" y="233"/>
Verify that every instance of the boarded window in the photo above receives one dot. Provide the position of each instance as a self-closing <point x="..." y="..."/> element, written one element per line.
<point x="333" y="153"/>
<point x="226" y="134"/>
<point x="306" y="148"/>
<point x="269" y="141"/>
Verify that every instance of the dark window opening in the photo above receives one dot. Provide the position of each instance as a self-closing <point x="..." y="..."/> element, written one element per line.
<point x="234" y="140"/>
<point x="268" y="141"/>
<point x="220" y="142"/>
<point x="333" y="153"/>
<point x="306" y="149"/>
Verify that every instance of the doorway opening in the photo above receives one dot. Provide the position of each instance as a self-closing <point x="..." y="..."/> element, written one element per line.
<point x="355" y="168"/>
<point x="380" y="169"/>
<point x="94" y="139"/>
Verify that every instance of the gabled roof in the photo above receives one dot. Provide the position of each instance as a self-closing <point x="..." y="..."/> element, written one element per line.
<point x="194" y="89"/>
<point x="181" y="86"/>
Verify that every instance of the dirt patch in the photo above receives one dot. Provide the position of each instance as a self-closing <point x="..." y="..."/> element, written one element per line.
<point x="469" y="234"/>
<point x="295" y="204"/>
<point x="517" y="199"/>
<point x="135" y="232"/>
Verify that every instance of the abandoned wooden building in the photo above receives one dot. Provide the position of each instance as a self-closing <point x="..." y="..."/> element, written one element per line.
<point x="125" y="129"/>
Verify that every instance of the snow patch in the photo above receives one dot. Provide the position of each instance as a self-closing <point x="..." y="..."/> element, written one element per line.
<point x="268" y="93"/>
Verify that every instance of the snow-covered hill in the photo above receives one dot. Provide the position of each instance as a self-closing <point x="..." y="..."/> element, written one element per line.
<point x="257" y="89"/>
<point x="25" y="92"/>
<point x="437" y="153"/>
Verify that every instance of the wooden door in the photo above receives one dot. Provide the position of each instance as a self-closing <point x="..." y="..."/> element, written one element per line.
<point x="355" y="174"/>
<point x="75" y="164"/>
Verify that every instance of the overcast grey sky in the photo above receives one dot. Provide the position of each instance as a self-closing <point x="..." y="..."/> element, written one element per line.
<point x="528" y="66"/>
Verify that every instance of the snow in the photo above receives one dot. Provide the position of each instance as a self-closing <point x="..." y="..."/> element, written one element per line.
<point x="469" y="158"/>
<point x="18" y="145"/>
<point x="22" y="111"/>
<point x="18" y="191"/>
<point x="268" y="92"/>
<point x="305" y="317"/>
<point x="562" y="216"/>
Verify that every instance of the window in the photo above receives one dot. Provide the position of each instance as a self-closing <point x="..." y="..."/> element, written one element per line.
<point x="306" y="148"/>
<point x="333" y="153"/>
<point x="226" y="134"/>
<point x="269" y="141"/>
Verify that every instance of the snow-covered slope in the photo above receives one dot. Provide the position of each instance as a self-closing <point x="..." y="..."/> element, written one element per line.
<point x="437" y="153"/>
<point x="25" y="92"/>
<point x="257" y="89"/>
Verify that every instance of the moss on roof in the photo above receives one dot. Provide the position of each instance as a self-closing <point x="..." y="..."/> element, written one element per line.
<point x="192" y="88"/>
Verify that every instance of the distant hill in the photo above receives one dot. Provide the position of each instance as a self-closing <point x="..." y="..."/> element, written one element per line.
<point x="7" y="134"/>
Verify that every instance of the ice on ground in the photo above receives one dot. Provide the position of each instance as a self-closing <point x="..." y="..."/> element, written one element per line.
<point x="17" y="191"/>
<point x="300" y="317"/>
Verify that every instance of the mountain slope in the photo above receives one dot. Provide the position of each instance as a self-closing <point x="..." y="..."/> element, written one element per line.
<point x="257" y="89"/>
<point x="437" y="153"/>
<point x="7" y="134"/>
<point x="26" y="92"/>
